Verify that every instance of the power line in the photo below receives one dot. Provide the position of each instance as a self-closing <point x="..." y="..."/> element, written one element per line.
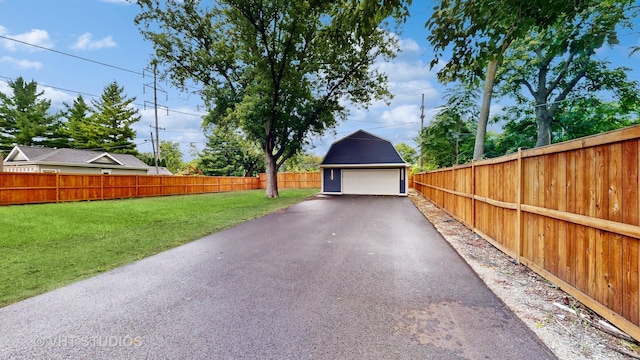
<point x="141" y="105"/>
<point x="84" y="59"/>
<point x="71" y="55"/>
<point x="383" y="127"/>
<point x="55" y="87"/>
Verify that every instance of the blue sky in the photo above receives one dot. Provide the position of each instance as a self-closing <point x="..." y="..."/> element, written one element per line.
<point x="103" y="31"/>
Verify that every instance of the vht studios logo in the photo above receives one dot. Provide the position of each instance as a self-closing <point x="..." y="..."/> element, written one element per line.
<point x="89" y="341"/>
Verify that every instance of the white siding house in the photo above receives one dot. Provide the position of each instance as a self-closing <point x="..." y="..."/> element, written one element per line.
<point x="41" y="159"/>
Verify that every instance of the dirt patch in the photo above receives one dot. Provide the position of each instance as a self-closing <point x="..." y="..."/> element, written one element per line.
<point x="446" y="325"/>
<point x="529" y="296"/>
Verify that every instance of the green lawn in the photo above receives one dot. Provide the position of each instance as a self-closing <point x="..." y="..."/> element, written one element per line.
<point x="46" y="246"/>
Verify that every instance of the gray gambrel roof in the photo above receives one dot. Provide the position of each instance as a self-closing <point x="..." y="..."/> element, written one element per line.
<point x="362" y="148"/>
<point x="72" y="157"/>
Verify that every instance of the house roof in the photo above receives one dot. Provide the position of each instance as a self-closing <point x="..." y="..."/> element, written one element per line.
<point x="71" y="157"/>
<point x="362" y="148"/>
<point x="161" y="171"/>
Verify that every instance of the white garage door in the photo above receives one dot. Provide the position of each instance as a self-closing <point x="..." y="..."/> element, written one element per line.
<point x="371" y="182"/>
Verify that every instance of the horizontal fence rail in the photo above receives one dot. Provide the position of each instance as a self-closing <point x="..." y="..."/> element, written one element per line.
<point x="569" y="211"/>
<point x="35" y="188"/>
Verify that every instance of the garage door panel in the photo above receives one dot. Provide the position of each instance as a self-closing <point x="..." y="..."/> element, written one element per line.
<point x="371" y="182"/>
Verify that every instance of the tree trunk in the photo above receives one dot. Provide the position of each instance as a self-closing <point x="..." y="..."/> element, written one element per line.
<point x="543" y="120"/>
<point x="272" y="175"/>
<point x="483" y="118"/>
<point x="250" y="170"/>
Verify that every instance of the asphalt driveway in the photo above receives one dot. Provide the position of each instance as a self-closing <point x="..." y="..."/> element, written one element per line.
<point x="329" y="278"/>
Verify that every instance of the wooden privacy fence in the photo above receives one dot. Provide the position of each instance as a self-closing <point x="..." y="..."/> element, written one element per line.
<point x="569" y="211"/>
<point x="289" y="180"/>
<point x="32" y="188"/>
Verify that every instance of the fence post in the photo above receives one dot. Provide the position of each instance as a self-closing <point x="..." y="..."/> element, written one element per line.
<point x="519" y="208"/>
<point x="473" y="195"/>
<point x="454" y="206"/>
<point x="57" y="187"/>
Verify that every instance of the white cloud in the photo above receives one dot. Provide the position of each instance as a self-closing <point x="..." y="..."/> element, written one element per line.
<point x="179" y="126"/>
<point x="5" y="89"/>
<point x="124" y="2"/>
<point x="410" y="89"/>
<point x="402" y="114"/>
<point x="21" y="64"/>
<point x="399" y="70"/>
<point x="57" y="97"/>
<point x="34" y="36"/>
<point x="409" y="46"/>
<point x="86" y="42"/>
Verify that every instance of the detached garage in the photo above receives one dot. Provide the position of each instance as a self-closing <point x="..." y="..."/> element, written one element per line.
<point x="363" y="164"/>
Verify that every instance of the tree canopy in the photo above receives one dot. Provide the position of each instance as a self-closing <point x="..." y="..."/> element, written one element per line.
<point x="78" y="125"/>
<point x="552" y="67"/>
<point x="111" y="122"/>
<point x="229" y="153"/>
<point x="448" y="139"/>
<point x="172" y="156"/>
<point x="478" y="33"/>
<point x="279" y="70"/>
<point x="409" y="154"/>
<point x="25" y="117"/>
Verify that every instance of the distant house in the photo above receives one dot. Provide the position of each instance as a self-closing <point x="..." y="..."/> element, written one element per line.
<point x="364" y="164"/>
<point x="40" y="159"/>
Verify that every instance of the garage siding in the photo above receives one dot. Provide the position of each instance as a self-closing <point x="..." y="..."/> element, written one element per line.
<point x="331" y="181"/>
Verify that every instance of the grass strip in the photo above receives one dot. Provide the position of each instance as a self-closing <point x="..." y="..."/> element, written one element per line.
<point x="43" y="247"/>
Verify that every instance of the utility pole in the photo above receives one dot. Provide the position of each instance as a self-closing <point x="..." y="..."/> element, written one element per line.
<point x="155" y="156"/>
<point x="421" y="128"/>
<point x="155" y="111"/>
<point x="156" y="147"/>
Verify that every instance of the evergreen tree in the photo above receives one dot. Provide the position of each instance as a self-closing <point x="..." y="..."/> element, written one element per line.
<point x="229" y="153"/>
<point x="78" y="127"/>
<point x="112" y="120"/>
<point x="25" y="118"/>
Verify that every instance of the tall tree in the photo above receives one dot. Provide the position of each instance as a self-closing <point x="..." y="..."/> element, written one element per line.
<point x="172" y="156"/>
<point x="549" y="66"/>
<point x="448" y="140"/>
<point x="303" y="162"/>
<point x="409" y="154"/>
<point x="24" y="116"/>
<point x="479" y="32"/>
<point x="149" y="159"/>
<point x="110" y="125"/>
<point x="280" y="70"/>
<point x="78" y="125"/>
